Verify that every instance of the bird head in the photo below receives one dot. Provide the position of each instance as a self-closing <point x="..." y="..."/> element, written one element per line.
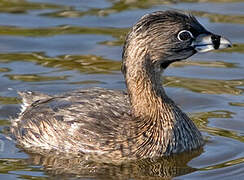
<point x="168" y="36"/>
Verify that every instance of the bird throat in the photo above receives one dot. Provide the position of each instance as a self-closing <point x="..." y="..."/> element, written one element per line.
<point x="145" y="91"/>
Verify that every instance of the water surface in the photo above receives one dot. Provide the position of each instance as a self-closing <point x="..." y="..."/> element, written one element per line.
<point x="55" y="46"/>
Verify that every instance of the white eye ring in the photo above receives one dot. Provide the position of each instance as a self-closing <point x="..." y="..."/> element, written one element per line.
<point x="184" y="31"/>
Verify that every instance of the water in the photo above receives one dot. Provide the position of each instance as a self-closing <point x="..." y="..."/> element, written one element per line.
<point x="55" y="46"/>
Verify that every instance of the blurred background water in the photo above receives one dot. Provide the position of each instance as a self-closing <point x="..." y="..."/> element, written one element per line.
<point x="53" y="46"/>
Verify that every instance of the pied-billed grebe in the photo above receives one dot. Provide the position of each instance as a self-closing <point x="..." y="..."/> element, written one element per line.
<point x="143" y="123"/>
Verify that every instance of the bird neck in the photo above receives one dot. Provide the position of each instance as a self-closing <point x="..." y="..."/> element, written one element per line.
<point x="158" y="115"/>
<point x="145" y="89"/>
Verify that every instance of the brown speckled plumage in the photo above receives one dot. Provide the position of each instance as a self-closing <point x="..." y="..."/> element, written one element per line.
<point x="113" y="124"/>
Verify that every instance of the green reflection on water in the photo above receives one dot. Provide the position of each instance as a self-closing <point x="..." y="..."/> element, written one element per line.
<point x="221" y="18"/>
<point x="206" y="86"/>
<point x="117" y="33"/>
<point x="202" y="118"/>
<point x="59" y="30"/>
<point x="7" y="165"/>
<point x="20" y="168"/>
<point x="236" y="104"/>
<point x="22" y="6"/>
<point x="211" y="64"/>
<point x="116" y="7"/>
<point x="88" y="82"/>
<point x="239" y="48"/>
<point x="125" y="5"/>
<point x="34" y="77"/>
<point x="5" y="122"/>
<point x="4" y="70"/>
<point x="225" y="164"/>
<point x="82" y="63"/>
<point x="8" y="100"/>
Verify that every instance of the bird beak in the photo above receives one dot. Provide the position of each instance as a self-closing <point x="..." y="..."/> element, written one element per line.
<point x="208" y="42"/>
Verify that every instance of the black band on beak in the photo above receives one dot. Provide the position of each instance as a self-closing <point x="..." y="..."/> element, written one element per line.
<point x="207" y="42"/>
<point x="216" y="41"/>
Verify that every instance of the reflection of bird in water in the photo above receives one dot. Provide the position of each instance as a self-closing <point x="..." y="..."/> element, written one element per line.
<point x="115" y="125"/>
<point x="69" y="166"/>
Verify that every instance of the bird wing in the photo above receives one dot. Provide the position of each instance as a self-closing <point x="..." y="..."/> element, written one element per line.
<point x="79" y="121"/>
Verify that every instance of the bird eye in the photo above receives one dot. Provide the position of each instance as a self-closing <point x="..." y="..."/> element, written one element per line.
<point x="184" y="35"/>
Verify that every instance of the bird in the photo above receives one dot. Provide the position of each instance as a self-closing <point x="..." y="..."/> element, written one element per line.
<point x="137" y="123"/>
